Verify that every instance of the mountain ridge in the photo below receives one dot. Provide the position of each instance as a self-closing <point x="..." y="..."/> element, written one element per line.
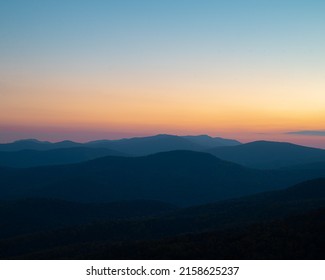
<point x="177" y="177"/>
<point x="135" y="145"/>
<point x="33" y="158"/>
<point x="269" y="154"/>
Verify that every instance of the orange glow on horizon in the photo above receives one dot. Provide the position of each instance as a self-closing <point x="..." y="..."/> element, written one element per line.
<point x="135" y="107"/>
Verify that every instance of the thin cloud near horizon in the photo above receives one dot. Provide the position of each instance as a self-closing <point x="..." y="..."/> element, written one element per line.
<point x="308" y="132"/>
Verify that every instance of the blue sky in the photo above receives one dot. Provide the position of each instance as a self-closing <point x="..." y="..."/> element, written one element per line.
<point x="122" y="28"/>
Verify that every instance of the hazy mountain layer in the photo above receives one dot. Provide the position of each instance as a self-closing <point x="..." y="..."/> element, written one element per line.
<point x="31" y="158"/>
<point x="179" y="177"/>
<point x="132" y="146"/>
<point x="269" y="155"/>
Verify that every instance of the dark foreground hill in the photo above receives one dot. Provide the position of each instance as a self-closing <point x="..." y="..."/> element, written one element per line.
<point x="269" y="155"/>
<point x="279" y="225"/>
<point x="295" y="238"/>
<point x="33" y="215"/>
<point x="179" y="177"/>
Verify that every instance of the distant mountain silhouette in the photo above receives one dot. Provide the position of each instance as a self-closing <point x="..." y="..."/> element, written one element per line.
<point x="30" y="158"/>
<point x="264" y="223"/>
<point x="207" y="141"/>
<point x="148" y="145"/>
<point x="265" y="154"/>
<point x="162" y="143"/>
<point x="132" y="146"/>
<point x="34" y="144"/>
<point x="178" y="177"/>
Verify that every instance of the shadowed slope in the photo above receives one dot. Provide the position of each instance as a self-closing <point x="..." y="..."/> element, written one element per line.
<point x="224" y="225"/>
<point x="30" y="158"/>
<point x="265" y="154"/>
<point x="178" y="177"/>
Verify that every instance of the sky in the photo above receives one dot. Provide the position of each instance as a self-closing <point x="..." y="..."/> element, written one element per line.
<point x="86" y="70"/>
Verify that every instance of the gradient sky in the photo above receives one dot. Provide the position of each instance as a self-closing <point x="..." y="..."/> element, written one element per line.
<point x="85" y="70"/>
